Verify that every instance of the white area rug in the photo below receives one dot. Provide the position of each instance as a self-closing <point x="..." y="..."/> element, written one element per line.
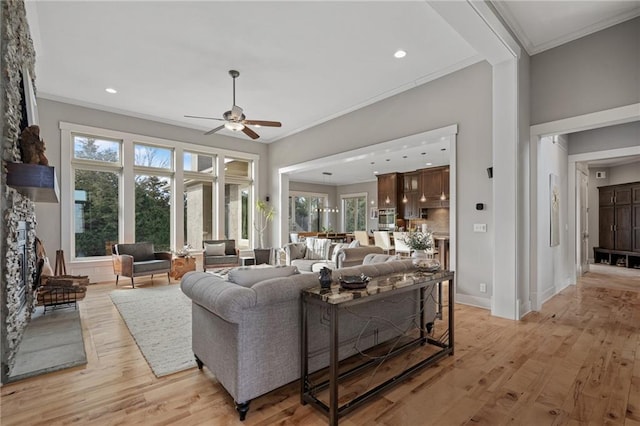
<point x="159" y="319"/>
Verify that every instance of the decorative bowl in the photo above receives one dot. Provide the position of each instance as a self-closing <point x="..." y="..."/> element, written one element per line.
<point x="354" y="282"/>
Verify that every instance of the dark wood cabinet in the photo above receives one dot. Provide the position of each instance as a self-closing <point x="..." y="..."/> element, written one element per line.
<point x="435" y="187"/>
<point x="618" y="217"/>
<point x="388" y="190"/>
<point x="412" y="192"/>
<point x="410" y="196"/>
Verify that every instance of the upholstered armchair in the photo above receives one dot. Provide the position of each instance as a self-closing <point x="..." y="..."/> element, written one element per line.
<point x="139" y="259"/>
<point x="219" y="253"/>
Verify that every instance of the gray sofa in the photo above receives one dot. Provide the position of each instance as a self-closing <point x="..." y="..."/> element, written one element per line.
<point x="139" y="259"/>
<point x="333" y="256"/>
<point x="248" y="334"/>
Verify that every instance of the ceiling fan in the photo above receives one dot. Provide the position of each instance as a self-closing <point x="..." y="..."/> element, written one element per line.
<point x="235" y="120"/>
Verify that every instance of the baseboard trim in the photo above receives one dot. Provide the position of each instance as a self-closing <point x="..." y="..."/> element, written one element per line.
<point x="478" y="302"/>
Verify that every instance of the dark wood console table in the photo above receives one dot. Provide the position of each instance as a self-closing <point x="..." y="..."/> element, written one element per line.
<point x="336" y="299"/>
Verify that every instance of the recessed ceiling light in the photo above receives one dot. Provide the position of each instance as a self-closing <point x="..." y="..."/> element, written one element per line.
<point x="423" y="153"/>
<point x="429" y="164"/>
<point x="400" y="54"/>
<point x="376" y="172"/>
<point x="111" y="90"/>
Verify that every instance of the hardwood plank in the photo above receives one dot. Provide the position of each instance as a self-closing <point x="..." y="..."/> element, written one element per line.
<point x="576" y="362"/>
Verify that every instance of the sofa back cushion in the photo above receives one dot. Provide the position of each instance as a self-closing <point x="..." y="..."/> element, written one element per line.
<point x="246" y="277"/>
<point x="140" y="251"/>
<point x="214" y="249"/>
<point x="229" y="246"/>
<point x="317" y="248"/>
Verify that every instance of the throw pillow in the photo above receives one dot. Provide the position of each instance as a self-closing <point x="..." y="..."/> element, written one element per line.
<point x="214" y="249"/>
<point x="317" y="248"/>
<point x="297" y="250"/>
<point x="354" y="243"/>
<point x="246" y="277"/>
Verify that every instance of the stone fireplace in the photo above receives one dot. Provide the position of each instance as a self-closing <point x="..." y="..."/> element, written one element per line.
<point x="18" y="259"/>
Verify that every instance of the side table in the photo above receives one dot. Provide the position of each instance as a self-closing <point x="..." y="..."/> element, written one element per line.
<point x="182" y="265"/>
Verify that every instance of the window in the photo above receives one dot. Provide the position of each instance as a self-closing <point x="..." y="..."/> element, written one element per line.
<point x="354" y="212"/>
<point x="153" y="191"/>
<point x="96" y="188"/>
<point x="153" y="211"/>
<point x="198" y="197"/>
<point x="128" y="188"/>
<point x="305" y="212"/>
<point x="237" y="193"/>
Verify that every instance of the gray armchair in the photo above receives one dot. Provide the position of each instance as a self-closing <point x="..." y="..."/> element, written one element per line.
<point x="139" y="259"/>
<point x="219" y="253"/>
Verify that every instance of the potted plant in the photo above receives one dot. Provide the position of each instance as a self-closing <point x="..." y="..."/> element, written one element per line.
<point x="421" y="242"/>
<point x="266" y="212"/>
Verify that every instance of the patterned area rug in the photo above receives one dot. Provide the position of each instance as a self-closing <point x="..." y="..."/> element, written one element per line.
<point x="159" y="319"/>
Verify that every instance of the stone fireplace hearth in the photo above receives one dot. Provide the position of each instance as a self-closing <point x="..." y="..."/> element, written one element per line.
<point x="18" y="212"/>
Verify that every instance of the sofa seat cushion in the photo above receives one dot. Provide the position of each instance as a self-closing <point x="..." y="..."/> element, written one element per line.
<point x="304" y="265"/>
<point x="151" y="265"/>
<point x="221" y="260"/>
<point x="316" y="267"/>
<point x="140" y="251"/>
<point x="247" y="277"/>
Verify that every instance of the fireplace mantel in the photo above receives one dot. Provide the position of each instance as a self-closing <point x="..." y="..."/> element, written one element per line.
<point x="35" y="181"/>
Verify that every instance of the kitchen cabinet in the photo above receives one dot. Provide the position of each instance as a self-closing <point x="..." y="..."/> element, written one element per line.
<point x="435" y="185"/>
<point x="411" y="195"/>
<point x="389" y="186"/>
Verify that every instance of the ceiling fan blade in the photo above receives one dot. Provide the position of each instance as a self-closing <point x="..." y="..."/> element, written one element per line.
<point x="214" y="130"/>
<point x="263" y="123"/>
<point x="206" y="118"/>
<point x="247" y="131"/>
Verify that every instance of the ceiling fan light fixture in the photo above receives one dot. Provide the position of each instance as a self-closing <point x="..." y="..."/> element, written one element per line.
<point x="233" y="126"/>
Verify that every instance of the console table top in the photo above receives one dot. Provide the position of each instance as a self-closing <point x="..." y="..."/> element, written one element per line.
<point x="382" y="284"/>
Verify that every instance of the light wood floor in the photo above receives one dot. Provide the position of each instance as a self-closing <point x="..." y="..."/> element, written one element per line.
<point x="575" y="362"/>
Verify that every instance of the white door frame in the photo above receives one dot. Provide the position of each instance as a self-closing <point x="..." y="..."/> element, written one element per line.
<point x="610" y="117"/>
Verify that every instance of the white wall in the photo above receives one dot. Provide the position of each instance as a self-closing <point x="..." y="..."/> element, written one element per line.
<point x="625" y="173"/>
<point x="463" y="98"/>
<point x="553" y="262"/>
<point x="593" y="73"/>
<point x="610" y="137"/>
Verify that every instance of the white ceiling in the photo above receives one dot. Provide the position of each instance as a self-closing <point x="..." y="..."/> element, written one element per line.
<point x="301" y="63"/>
<point x="543" y="25"/>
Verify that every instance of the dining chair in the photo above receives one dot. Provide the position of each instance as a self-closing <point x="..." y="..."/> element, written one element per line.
<point x="362" y="237"/>
<point x="383" y="240"/>
<point x="402" y="248"/>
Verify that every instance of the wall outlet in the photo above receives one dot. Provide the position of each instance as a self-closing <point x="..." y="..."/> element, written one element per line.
<point x="479" y="227"/>
<point x="483" y="287"/>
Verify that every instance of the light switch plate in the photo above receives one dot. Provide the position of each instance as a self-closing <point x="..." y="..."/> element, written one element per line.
<point x="479" y="227"/>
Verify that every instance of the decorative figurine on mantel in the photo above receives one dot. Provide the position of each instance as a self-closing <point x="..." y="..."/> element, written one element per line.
<point x="325" y="277"/>
<point x="32" y="147"/>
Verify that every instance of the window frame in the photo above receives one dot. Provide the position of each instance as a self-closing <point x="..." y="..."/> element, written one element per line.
<point x="343" y="197"/>
<point x="128" y="171"/>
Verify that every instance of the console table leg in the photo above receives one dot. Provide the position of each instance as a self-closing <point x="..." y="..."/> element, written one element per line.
<point x="333" y="369"/>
